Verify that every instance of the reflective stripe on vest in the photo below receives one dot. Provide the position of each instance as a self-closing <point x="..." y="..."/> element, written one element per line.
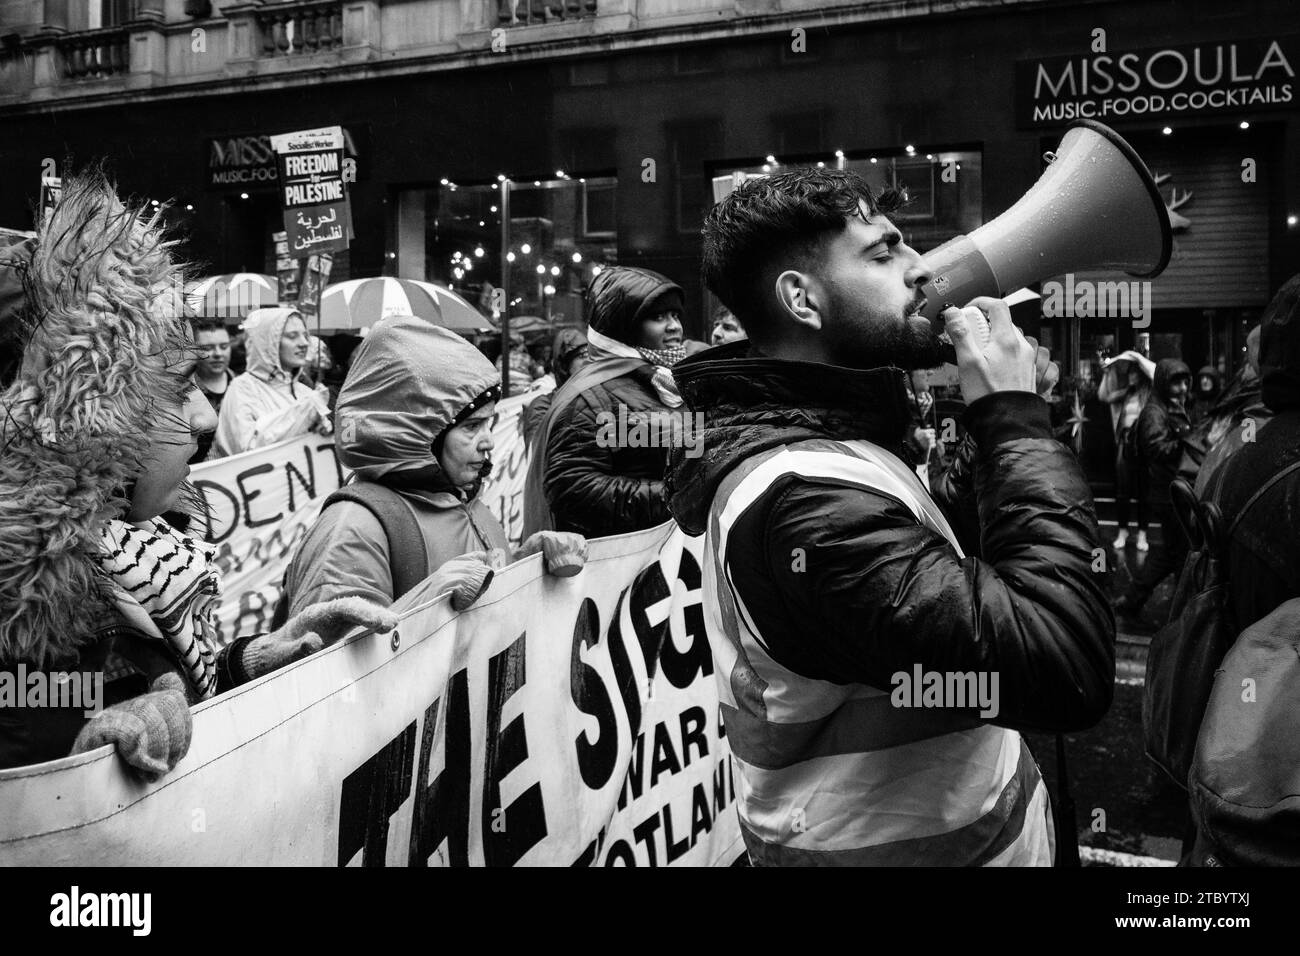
<point x="834" y="774"/>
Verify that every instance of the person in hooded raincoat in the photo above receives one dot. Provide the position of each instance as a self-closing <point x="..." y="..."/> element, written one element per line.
<point x="1205" y="394"/>
<point x="268" y="403"/>
<point x="415" y="415"/>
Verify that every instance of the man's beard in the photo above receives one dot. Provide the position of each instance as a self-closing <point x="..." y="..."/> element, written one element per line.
<point x="907" y="344"/>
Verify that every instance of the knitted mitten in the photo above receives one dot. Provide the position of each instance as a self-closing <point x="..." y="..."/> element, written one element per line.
<point x="564" y="553"/>
<point x="317" y="626"/>
<point x="151" y="732"/>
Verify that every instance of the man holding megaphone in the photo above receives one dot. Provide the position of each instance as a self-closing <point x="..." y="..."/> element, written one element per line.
<point x="874" y="669"/>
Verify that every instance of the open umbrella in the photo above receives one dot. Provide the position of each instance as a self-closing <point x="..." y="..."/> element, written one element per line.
<point x="360" y="303"/>
<point x="232" y="296"/>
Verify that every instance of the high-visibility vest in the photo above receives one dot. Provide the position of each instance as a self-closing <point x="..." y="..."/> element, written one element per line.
<point x="834" y="774"/>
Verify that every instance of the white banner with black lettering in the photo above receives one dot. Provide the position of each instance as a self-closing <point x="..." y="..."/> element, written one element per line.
<point x="559" y="721"/>
<point x="263" y="503"/>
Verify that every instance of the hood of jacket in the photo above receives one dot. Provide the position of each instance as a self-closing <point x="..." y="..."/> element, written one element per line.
<point x="100" y="306"/>
<point x="567" y="341"/>
<point x="408" y="381"/>
<point x="622" y="296"/>
<point x="263" y="330"/>
<point x="1279" y="348"/>
<point x="751" y="403"/>
<point x="1212" y="372"/>
<point x="1167" y="370"/>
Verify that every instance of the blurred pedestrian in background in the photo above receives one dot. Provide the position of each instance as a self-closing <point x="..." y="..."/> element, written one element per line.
<point x="212" y="373"/>
<point x="1126" y="387"/>
<point x="268" y="403"/>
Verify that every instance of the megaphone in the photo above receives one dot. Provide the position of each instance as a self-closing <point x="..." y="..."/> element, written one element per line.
<point x="1095" y="207"/>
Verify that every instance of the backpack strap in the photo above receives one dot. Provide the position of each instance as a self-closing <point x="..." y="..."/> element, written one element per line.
<point x="408" y="558"/>
<point x="1294" y="466"/>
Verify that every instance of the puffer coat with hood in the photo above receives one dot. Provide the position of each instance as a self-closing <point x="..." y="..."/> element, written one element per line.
<point x="880" y="591"/>
<point x="1162" y="431"/>
<point x="597" y="487"/>
<point x="267" y="404"/>
<point x="408" y="382"/>
<point x="1264" y="554"/>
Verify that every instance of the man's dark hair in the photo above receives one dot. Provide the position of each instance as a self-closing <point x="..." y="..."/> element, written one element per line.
<point x="208" y="325"/>
<point x="781" y="220"/>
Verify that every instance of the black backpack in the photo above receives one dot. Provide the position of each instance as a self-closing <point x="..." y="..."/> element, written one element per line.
<point x="408" y="559"/>
<point x="1187" y="651"/>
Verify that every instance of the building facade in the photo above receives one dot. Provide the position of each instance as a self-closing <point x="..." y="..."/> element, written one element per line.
<point x="612" y="119"/>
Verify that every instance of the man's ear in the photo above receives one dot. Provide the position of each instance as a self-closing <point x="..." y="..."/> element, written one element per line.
<point x="799" y="298"/>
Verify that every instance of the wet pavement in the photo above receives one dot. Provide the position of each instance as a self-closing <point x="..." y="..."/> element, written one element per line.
<point x="1122" y="802"/>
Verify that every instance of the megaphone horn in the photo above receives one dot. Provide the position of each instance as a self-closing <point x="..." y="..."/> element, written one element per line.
<point x="1095" y="207"/>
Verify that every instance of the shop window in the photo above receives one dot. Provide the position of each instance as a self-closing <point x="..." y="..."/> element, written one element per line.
<point x="560" y="233"/>
<point x="944" y="187"/>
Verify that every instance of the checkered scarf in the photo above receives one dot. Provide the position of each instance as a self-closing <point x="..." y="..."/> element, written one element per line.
<point x="167" y="586"/>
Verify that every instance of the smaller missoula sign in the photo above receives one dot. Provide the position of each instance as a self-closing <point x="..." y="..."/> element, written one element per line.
<point x="1202" y="79"/>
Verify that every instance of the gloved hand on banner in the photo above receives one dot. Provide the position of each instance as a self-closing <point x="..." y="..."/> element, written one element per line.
<point x="466" y="577"/>
<point x="564" y="553"/>
<point x="151" y="732"/>
<point x="317" y="626"/>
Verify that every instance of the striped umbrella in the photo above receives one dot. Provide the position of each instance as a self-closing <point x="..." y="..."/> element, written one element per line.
<point x="232" y="296"/>
<point x="360" y="303"/>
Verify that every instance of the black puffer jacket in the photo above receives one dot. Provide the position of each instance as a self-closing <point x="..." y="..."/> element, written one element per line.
<point x="593" y="486"/>
<point x="1264" y="555"/>
<point x="1162" y="430"/>
<point x="882" y="592"/>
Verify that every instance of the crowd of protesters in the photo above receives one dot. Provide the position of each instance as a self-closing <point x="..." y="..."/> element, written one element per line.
<point x="813" y="400"/>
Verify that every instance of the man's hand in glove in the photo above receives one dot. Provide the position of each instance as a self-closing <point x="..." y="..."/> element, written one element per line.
<point x="317" y="626"/>
<point x="563" y="552"/>
<point x="151" y="732"/>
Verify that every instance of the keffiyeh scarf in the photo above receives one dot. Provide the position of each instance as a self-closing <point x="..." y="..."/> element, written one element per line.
<point x="602" y="346"/>
<point x="167" y="587"/>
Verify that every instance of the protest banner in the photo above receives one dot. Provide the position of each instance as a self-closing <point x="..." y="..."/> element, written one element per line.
<point x="317" y="214"/>
<point x="560" y="721"/>
<point x="262" y="504"/>
<point x="503" y="492"/>
<point x="286" y="269"/>
<point x="316" y="274"/>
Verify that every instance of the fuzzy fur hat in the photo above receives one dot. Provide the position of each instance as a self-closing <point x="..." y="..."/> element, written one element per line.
<point x="92" y="334"/>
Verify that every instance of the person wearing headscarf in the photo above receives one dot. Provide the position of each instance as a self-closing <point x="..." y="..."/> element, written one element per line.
<point x="268" y="403"/>
<point x="592" y="481"/>
<point x="99" y="415"/>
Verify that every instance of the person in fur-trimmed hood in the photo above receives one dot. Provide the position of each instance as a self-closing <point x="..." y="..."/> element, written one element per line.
<point x="98" y="418"/>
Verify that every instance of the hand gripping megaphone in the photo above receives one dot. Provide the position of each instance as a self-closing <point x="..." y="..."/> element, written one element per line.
<point x="1095" y="207"/>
